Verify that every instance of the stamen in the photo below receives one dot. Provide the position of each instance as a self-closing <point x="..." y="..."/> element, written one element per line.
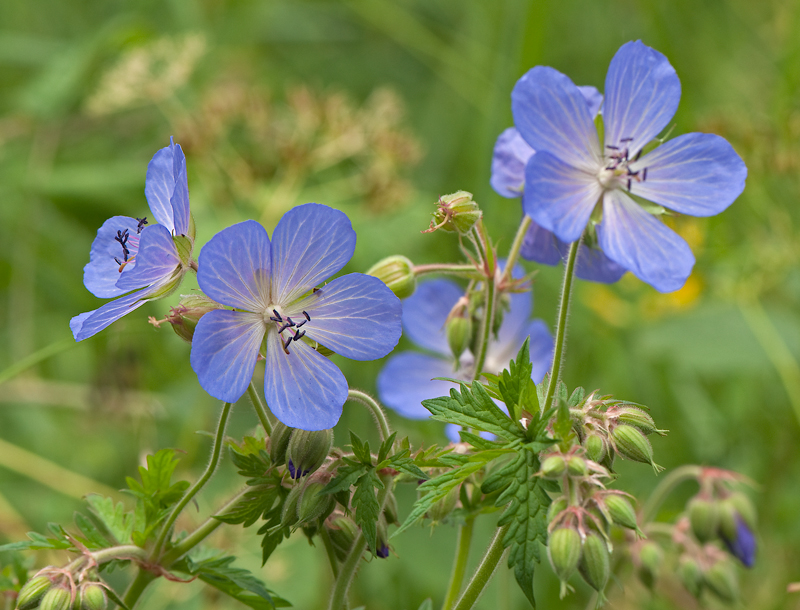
<point x="299" y="335"/>
<point x="286" y="345"/>
<point x="612" y="147"/>
<point x="644" y="174"/>
<point x="289" y="320"/>
<point x="638" y="154"/>
<point x="308" y="317"/>
<point x="282" y="328"/>
<point x="626" y="139"/>
<point x="277" y="315"/>
<point x="142" y="222"/>
<point x="301" y="323"/>
<point x="629" y="184"/>
<point x="116" y="260"/>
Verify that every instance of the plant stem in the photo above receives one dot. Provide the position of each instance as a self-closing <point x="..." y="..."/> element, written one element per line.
<point x="486" y="326"/>
<point x="460" y="563"/>
<point x="350" y="565"/>
<point x="260" y="407"/>
<point x="137" y="587"/>
<point x="326" y="541"/>
<point x="665" y="487"/>
<point x="192" y="492"/>
<point x="465" y="271"/>
<point x="511" y="260"/>
<point x="483" y="574"/>
<point x="561" y="329"/>
<point x="127" y="551"/>
<point x="374" y="408"/>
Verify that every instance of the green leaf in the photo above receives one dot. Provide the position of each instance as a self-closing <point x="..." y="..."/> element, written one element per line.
<point x="346" y="476"/>
<point x="367" y="507"/>
<point x="93" y="539"/>
<point x="386" y="447"/>
<point x="513" y="382"/>
<point x="361" y="450"/>
<point x="474" y="408"/>
<point x="426" y="605"/>
<point x="254" y="504"/>
<point x="477" y="441"/>
<point x="577" y="396"/>
<point x="116" y="520"/>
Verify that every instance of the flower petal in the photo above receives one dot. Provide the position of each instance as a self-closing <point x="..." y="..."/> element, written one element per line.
<point x="594" y="266"/>
<point x="156" y="259"/>
<point x="520" y="305"/>
<point x="511" y="153"/>
<point x="234" y="267"/>
<point x="500" y="353"/>
<point x="90" y="323"/>
<point x="355" y="315"/>
<point x="696" y="173"/>
<point x="559" y="197"/>
<point x="425" y="312"/>
<point x="552" y="115"/>
<point x="166" y="174"/>
<point x="309" y="245"/>
<point x="642" y="95"/>
<point x="224" y="352"/>
<point x="642" y="244"/>
<point x="593" y="98"/>
<point x="407" y="380"/>
<point x="303" y="388"/>
<point x="540" y="245"/>
<point x="102" y="273"/>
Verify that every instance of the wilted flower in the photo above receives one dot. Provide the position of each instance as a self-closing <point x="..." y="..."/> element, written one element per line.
<point x="131" y="254"/>
<point x="272" y="288"/>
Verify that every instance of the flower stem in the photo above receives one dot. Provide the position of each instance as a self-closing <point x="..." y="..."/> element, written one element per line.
<point x="666" y="486"/>
<point x="465" y="271"/>
<point x="326" y="541"/>
<point x="486" y="326"/>
<point x="192" y="492"/>
<point x="127" y="551"/>
<point x="136" y="588"/>
<point x="483" y="574"/>
<point x="561" y="329"/>
<point x="511" y="259"/>
<point x="350" y="565"/>
<point x="460" y="564"/>
<point x="260" y="407"/>
<point x="374" y="408"/>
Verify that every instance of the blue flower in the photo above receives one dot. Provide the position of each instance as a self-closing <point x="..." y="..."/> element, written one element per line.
<point x="407" y="378"/>
<point x="271" y="288"/>
<point x="571" y="175"/>
<point x="743" y="544"/>
<point x="131" y="254"/>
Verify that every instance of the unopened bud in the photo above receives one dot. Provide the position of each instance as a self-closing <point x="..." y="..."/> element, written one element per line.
<point x="390" y="510"/>
<point x="621" y="511"/>
<point x="553" y="467"/>
<point x="93" y="597"/>
<point x="576" y="466"/>
<point x="397" y="272"/>
<point x="631" y="443"/>
<point x="289" y="511"/>
<point x="279" y="442"/>
<point x="57" y="598"/>
<point x="564" y="552"/>
<point x="32" y="591"/>
<point x="456" y="212"/>
<point x="342" y="531"/>
<point x="185" y="316"/>
<point x="721" y="581"/>
<point x="443" y="507"/>
<point x="596" y="447"/>
<point x="636" y="417"/>
<point x="556" y="506"/>
<point x="704" y="518"/>
<point x="691" y="575"/>
<point x="594" y="565"/>
<point x="307" y="451"/>
<point x="650" y="559"/>
<point x="459" y="334"/>
<point x="383" y="540"/>
<point x="739" y="502"/>
<point x="312" y="505"/>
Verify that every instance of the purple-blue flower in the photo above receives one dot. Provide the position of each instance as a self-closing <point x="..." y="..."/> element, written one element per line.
<point x="743" y="545"/>
<point x="271" y="287"/>
<point x="407" y="378"/>
<point x="136" y="258"/>
<point x="572" y="180"/>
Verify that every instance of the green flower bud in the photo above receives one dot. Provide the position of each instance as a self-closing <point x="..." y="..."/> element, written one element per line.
<point x="32" y="591"/>
<point x="576" y="466"/>
<point x="459" y="334"/>
<point x="594" y="565"/>
<point x="556" y="506"/>
<point x="632" y="444"/>
<point x="456" y="212"/>
<point x="342" y="531"/>
<point x="650" y="559"/>
<point x="721" y="581"/>
<point x="691" y="575"/>
<point x="187" y="314"/>
<point x="397" y="272"/>
<point x="442" y="508"/>
<point x="621" y="511"/>
<point x="636" y="417"/>
<point x="383" y="540"/>
<point x="93" y="597"/>
<point x="736" y="504"/>
<point x="57" y="598"/>
<point x="704" y="518"/>
<point x="307" y="451"/>
<point x="596" y="447"/>
<point x="553" y="467"/>
<point x="564" y="552"/>
<point x="279" y="442"/>
<point x="390" y="510"/>
<point x="289" y="511"/>
<point x="312" y="505"/>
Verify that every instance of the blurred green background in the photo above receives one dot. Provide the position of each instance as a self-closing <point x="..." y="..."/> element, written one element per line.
<point x="377" y="108"/>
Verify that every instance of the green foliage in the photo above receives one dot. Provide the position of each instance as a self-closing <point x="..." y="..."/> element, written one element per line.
<point x="117" y="522"/>
<point x="514" y="385"/>
<point x="367" y="507"/>
<point x="474" y="408"/>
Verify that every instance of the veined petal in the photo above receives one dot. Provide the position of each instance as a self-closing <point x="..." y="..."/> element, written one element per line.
<point x="552" y="115"/>
<point x="179" y="201"/>
<point x="303" y="388"/>
<point x="642" y="244"/>
<point x="355" y="315"/>
<point x="696" y="173"/>
<point x="540" y="245"/>
<point x="234" y="267"/>
<point x="102" y="273"/>
<point x="224" y="352"/>
<point x="511" y="153"/>
<point x="159" y="186"/>
<point x="594" y="99"/>
<point x="558" y="196"/>
<point x="407" y="380"/>
<point x="500" y="354"/>
<point x="309" y="245"/>
<point x="425" y="312"/>
<point x="156" y="259"/>
<point x="90" y="323"/>
<point x="594" y="266"/>
<point x="642" y="95"/>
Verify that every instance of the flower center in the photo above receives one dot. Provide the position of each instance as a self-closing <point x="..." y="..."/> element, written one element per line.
<point x="291" y="327"/>
<point x="122" y="237"/>
<point x="617" y="172"/>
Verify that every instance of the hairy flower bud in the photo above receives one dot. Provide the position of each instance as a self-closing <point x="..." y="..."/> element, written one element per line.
<point x="459" y="333"/>
<point x="553" y="467"/>
<point x="289" y="511"/>
<point x="312" y="505"/>
<point x="307" y="451"/>
<point x="383" y="540"/>
<point x="636" y="417"/>
<point x="390" y="510"/>
<point x="739" y="504"/>
<point x="556" y="506"/>
<point x="456" y="212"/>
<point x="594" y="565"/>
<point x="93" y="597"/>
<point x="564" y="552"/>
<point x="32" y="591"/>
<point x="57" y="598"/>
<point x="185" y="316"/>
<point x="279" y="442"/>
<point x="691" y="575"/>
<point x="632" y="444"/>
<point x="397" y="272"/>
<point x="576" y="466"/>
<point x="596" y="447"/>
<point x="342" y="531"/>
<point x="621" y="511"/>
<point x="721" y="580"/>
<point x="650" y="559"/>
<point x="704" y="518"/>
<point x="443" y="507"/>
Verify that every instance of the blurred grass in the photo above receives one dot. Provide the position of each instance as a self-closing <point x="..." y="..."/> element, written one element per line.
<point x="378" y="108"/>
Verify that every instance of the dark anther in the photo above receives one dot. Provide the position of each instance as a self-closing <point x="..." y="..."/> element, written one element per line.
<point x="301" y="323"/>
<point x="644" y="174"/>
<point x="299" y="335"/>
<point x="316" y="290"/>
<point x="308" y="317"/>
<point x="638" y="154"/>
<point x="142" y="222"/>
<point x="629" y="184"/>
<point x="626" y="140"/>
<point x="116" y="260"/>
<point x="289" y="320"/>
<point x="277" y="315"/>
<point x="612" y="147"/>
<point x="282" y="328"/>
<point x="286" y="345"/>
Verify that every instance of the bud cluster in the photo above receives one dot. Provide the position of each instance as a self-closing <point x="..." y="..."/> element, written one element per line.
<point x="55" y="589"/>
<point x="456" y="212"/>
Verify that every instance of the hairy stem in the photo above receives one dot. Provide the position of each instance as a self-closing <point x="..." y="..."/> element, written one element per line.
<point x="465" y="271"/>
<point x="486" y="325"/>
<point x="192" y="491"/>
<point x="127" y="551"/>
<point x="260" y="407"/>
<point x="483" y="574"/>
<point x="460" y="563"/>
<point x="666" y="487"/>
<point x="561" y="329"/>
<point x="136" y="588"/>
<point x="374" y="408"/>
<point x="511" y="260"/>
<point x="326" y="541"/>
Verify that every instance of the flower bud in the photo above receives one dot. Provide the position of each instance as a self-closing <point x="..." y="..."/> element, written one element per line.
<point x="56" y="598"/>
<point x="279" y="442"/>
<point x="621" y="511"/>
<point x="553" y="467"/>
<point x="93" y="597"/>
<point x="289" y="511"/>
<point x="342" y="531"/>
<point x="564" y="552"/>
<point x="397" y="272"/>
<point x="390" y="510"/>
<point x="382" y="540"/>
<point x="443" y="507"/>
<point x="704" y="518"/>
<point x="187" y="314"/>
<point x="459" y="334"/>
<point x="32" y="591"/>
<point x="594" y="565"/>
<point x="576" y="466"/>
<point x="456" y="212"/>
<point x="742" y="542"/>
<point x="632" y="444"/>
<point x="650" y="559"/>
<point x="691" y="575"/>
<point x="739" y="504"/>
<point x="556" y="506"/>
<point x="596" y="447"/>
<point x="312" y="505"/>
<point x="636" y="417"/>
<point x="721" y="581"/>
<point x="307" y="451"/>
